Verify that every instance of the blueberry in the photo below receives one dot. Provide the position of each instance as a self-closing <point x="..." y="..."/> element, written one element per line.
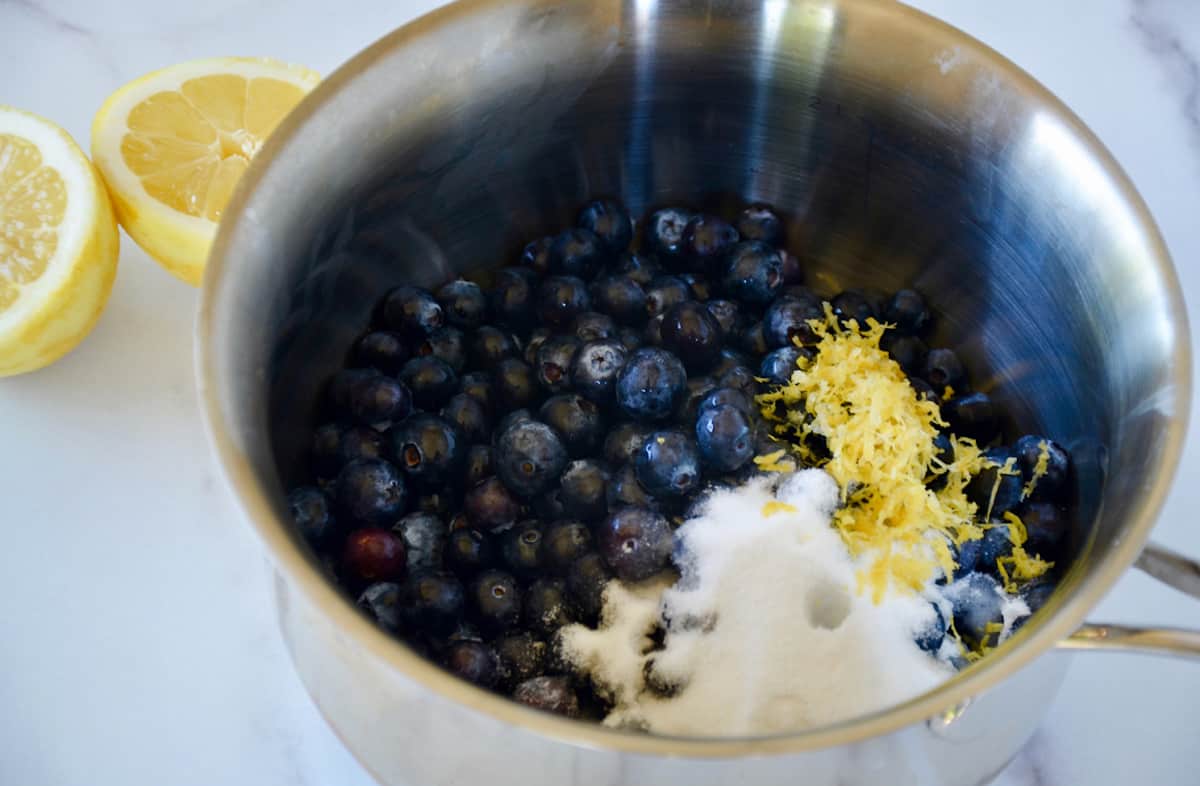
<point x="355" y="442"/>
<point x="538" y="255"/>
<point x="468" y="416"/>
<point x="779" y="365"/>
<point x="724" y="438"/>
<point x="977" y="602"/>
<point x="478" y="385"/>
<point x="547" y="607"/>
<point x="908" y="312"/>
<point x="741" y="378"/>
<point x="629" y="338"/>
<point x="642" y="269"/>
<point x="463" y="304"/>
<point x="509" y="420"/>
<point x="577" y="252"/>
<point x="624" y="490"/>
<point x="448" y="344"/>
<point x="664" y="292"/>
<point x="636" y="543"/>
<point x="1036" y="593"/>
<point x="515" y="385"/>
<point x="1028" y="450"/>
<point x="942" y="368"/>
<point x="691" y="332"/>
<point x="944" y="455"/>
<point x="379" y="399"/>
<point x="854" y="305"/>
<point x="621" y="298"/>
<point x="759" y="222"/>
<point x="995" y="544"/>
<point x="706" y="241"/>
<point x="609" y="221"/>
<point x="433" y="601"/>
<point x="695" y="391"/>
<point x="554" y="361"/>
<point x="381" y="350"/>
<point x="521" y="549"/>
<point x="966" y="557"/>
<point x="930" y="638"/>
<point x="312" y="514"/>
<point x="595" y="369"/>
<point x="908" y="351"/>
<point x="1047" y="527"/>
<point x="428" y="449"/>
<point x="479" y="464"/>
<point x="787" y="320"/>
<point x="373" y="554"/>
<point x="563" y="543"/>
<point x="651" y="384"/>
<point x="664" y="235"/>
<point x="753" y="339"/>
<point x="577" y="421"/>
<point x="972" y="415"/>
<point x="624" y="442"/>
<point x="534" y="345"/>
<point x="341" y="386"/>
<point x="586" y="580"/>
<point x="411" y="311"/>
<point x="472" y="661"/>
<point x="1008" y="492"/>
<point x="495" y="601"/>
<point x="469" y="551"/>
<point x="668" y="465"/>
<point x="491" y="506"/>
<point x="729" y="396"/>
<point x="560" y="299"/>
<point x="583" y="490"/>
<point x="593" y="326"/>
<point x="490" y="345"/>
<point x="753" y="273"/>
<point x="549" y="694"/>
<point x="424" y="536"/>
<point x="513" y="297"/>
<point x="520" y="657"/>
<point x="727" y="314"/>
<point x="381" y="601"/>
<point x="431" y="381"/>
<point x="530" y="456"/>
<point x="370" y="492"/>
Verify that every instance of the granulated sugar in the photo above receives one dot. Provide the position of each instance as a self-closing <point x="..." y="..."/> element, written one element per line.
<point x="765" y="630"/>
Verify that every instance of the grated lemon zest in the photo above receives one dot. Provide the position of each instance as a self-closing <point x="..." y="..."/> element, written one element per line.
<point x="879" y="436"/>
<point x="775" y="506"/>
<point x="1039" y="469"/>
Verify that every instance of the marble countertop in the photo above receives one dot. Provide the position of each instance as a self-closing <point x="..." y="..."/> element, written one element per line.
<point x="137" y="641"/>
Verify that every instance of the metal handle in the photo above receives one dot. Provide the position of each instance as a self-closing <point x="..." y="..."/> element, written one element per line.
<point x="1171" y="569"/>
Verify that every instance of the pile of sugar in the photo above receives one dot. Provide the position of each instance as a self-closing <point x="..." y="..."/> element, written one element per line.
<point x="766" y="630"/>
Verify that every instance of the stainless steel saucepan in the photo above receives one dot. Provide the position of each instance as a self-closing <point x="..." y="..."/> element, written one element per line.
<point x="902" y="153"/>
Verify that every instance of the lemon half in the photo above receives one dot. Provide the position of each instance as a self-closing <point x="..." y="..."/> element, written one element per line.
<point x="58" y="243"/>
<point x="172" y="145"/>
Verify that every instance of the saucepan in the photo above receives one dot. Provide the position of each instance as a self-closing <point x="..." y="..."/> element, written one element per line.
<point x="901" y="151"/>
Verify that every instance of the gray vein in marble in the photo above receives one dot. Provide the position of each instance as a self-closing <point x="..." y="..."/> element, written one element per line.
<point x="40" y="13"/>
<point x="1157" y="31"/>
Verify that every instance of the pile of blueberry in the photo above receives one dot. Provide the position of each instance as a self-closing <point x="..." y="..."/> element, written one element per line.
<point x="492" y="456"/>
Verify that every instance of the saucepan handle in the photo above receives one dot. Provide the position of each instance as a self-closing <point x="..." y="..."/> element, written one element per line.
<point x="1170" y="568"/>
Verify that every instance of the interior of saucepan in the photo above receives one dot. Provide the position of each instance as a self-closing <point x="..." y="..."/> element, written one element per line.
<point x="900" y="153"/>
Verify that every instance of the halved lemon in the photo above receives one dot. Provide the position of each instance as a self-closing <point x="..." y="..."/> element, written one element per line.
<point x="58" y="243"/>
<point x="172" y="145"/>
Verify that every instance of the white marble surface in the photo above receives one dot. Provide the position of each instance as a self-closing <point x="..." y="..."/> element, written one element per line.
<point x="137" y="644"/>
